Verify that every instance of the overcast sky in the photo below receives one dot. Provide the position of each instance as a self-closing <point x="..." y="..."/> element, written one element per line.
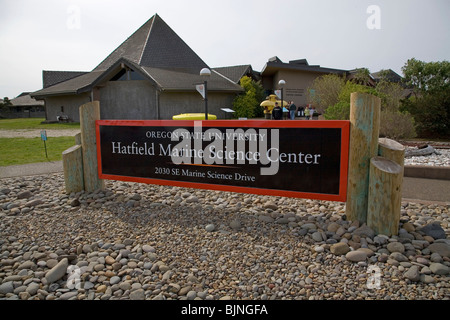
<point x="343" y="34"/>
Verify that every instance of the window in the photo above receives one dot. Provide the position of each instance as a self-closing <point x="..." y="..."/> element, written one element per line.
<point x="127" y="74"/>
<point x="121" y="76"/>
<point x="136" y="75"/>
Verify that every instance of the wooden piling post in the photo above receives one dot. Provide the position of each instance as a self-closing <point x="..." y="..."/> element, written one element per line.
<point x="90" y="112"/>
<point x="383" y="213"/>
<point x="364" y="132"/>
<point x="78" y="138"/>
<point x="392" y="150"/>
<point x="73" y="169"/>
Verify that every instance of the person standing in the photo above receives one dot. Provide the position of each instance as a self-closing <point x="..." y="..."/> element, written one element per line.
<point x="307" y="113"/>
<point x="301" y="111"/>
<point x="311" y="112"/>
<point x="292" y="109"/>
<point x="277" y="112"/>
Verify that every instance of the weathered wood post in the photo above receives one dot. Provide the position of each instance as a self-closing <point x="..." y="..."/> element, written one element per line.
<point x="90" y="112"/>
<point x="78" y="138"/>
<point x="364" y="132"/>
<point x="385" y="197"/>
<point x="385" y="187"/>
<point x="73" y="169"/>
<point x="392" y="150"/>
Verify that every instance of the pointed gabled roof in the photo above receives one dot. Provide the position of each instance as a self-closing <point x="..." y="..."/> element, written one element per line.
<point x="155" y="51"/>
<point x="156" y="45"/>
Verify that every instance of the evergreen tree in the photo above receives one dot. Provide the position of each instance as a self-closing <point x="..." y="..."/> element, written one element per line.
<point x="247" y="104"/>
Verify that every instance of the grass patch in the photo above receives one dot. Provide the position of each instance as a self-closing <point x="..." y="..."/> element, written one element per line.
<point x="14" y="151"/>
<point x="34" y="123"/>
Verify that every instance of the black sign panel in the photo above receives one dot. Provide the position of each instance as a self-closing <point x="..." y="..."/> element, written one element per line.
<point x="305" y="159"/>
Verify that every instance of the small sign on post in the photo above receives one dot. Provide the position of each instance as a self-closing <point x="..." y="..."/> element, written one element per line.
<point x="278" y="93"/>
<point x="201" y="89"/>
<point x="44" y="138"/>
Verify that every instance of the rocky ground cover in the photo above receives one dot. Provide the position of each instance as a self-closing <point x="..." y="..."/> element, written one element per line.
<point x="137" y="241"/>
<point x="441" y="159"/>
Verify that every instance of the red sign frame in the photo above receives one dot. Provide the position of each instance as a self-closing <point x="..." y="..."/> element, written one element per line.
<point x="257" y="124"/>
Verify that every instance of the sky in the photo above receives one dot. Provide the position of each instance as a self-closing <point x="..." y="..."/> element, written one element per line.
<point x="76" y="35"/>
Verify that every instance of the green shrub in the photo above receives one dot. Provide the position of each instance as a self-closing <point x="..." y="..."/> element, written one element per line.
<point x="340" y="111"/>
<point x="396" y="125"/>
<point x="247" y="104"/>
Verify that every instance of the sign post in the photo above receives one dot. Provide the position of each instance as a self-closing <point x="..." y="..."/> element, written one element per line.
<point x="44" y="138"/>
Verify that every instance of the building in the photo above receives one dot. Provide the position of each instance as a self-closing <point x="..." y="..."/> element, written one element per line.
<point x="24" y="106"/>
<point x="151" y="75"/>
<point x="298" y="74"/>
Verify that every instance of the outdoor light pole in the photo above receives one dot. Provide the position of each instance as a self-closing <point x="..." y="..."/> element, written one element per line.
<point x="281" y="83"/>
<point x="206" y="73"/>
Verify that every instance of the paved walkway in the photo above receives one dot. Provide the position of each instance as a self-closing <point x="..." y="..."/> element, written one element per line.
<point x="31" y="169"/>
<point x="413" y="188"/>
<point x="432" y="190"/>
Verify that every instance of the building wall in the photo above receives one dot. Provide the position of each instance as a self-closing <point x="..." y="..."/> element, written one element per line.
<point x="130" y="100"/>
<point x="23" y="114"/>
<point x="297" y="84"/>
<point x="70" y="105"/>
<point x="173" y="103"/>
<point x="138" y="100"/>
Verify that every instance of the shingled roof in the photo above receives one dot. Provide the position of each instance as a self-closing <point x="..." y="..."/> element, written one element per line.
<point x="24" y="100"/>
<point x="274" y="64"/>
<point x="155" y="51"/>
<point x="156" y="45"/>
<point x="50" y="78"/>
<point x="235" y="73"/>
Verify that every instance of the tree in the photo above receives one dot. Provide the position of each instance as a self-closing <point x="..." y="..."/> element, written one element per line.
<point x="5" y="104"/>
<point x="430" y="102"/>
<point x="393" y="123"/>
<point x="246" y="105"/>
<point x="324" y="91"/>
<point x="362" y="77"/>
<point x="427" y="77"/>
<point x="341" y="109"/>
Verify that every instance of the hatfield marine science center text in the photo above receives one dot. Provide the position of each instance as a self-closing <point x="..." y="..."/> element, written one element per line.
<point x="216" y="152"/>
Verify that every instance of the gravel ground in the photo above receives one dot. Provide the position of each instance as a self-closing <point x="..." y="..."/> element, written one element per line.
<point x="136" y="241"/>
<point x="441" y="158"/>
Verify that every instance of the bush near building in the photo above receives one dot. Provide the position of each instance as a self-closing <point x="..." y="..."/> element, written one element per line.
<point x="247" y="104"/>
<point x="332" y="96"/>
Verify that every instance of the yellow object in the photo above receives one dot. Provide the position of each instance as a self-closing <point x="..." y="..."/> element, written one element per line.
<point x="269" y="104"/>
<point x="193" y="116"/>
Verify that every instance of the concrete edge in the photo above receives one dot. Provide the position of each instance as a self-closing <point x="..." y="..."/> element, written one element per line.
<point x="427" y="172"/>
